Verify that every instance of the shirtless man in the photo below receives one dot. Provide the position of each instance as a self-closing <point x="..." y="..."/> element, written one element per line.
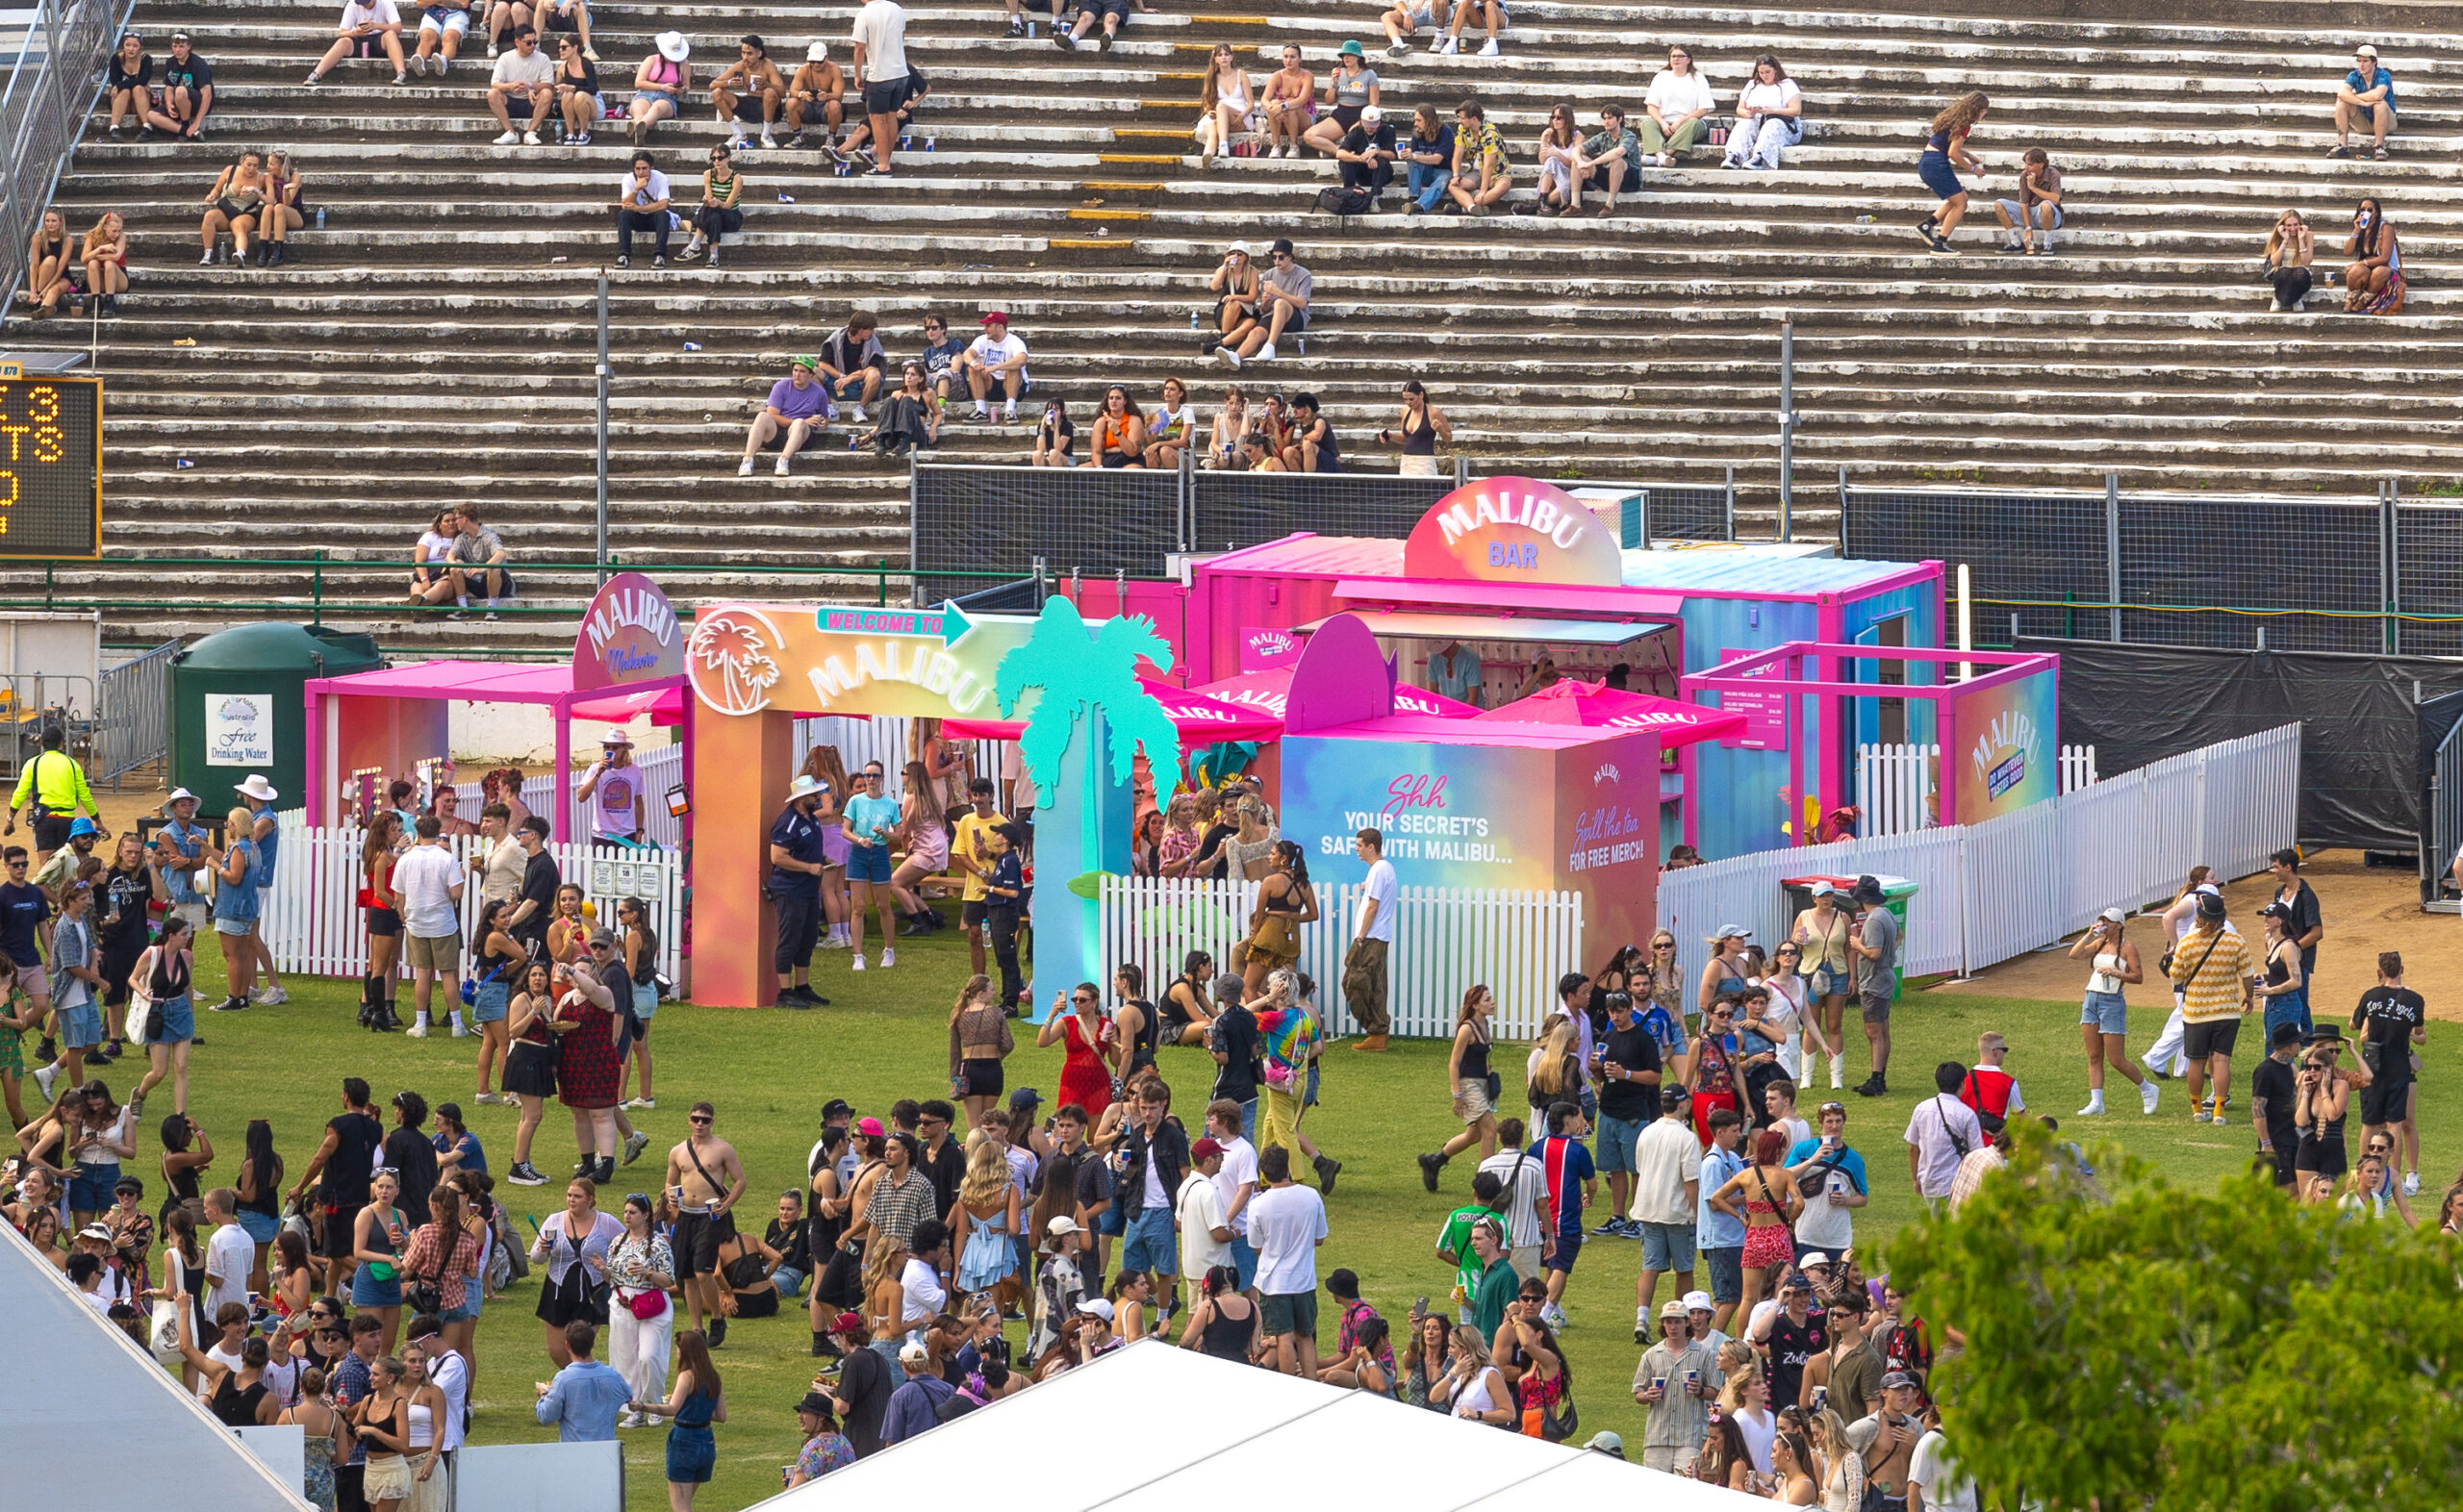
<point x="819" y="86"/>
<point x="1887" y="1440"/>
<point x="705" y="1213"/>
<point x="752" y="79"/>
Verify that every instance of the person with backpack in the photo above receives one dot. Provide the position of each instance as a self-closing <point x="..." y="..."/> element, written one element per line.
<point x="1991" y="1092"/>
<point x="1939" y="1134"/>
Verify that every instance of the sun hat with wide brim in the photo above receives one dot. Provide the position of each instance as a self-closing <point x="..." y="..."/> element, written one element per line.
<point x="672" y="46"/>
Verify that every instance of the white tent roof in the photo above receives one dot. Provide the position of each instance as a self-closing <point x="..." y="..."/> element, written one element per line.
<point x="124" y="1411"/>
<point x="1220" y="1435"/>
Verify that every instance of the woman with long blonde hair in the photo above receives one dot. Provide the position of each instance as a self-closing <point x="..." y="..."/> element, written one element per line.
<point x="886" y="1297"/>
<point x="104" y="253"/>
<point x="1842" y="1470"/>
<point x="926" y="834"/>
<point x="1552" y="1074"/>
<point x="2290" y="247"/>
<point x="823" y="764"/>
<point x="985" y="1218"/>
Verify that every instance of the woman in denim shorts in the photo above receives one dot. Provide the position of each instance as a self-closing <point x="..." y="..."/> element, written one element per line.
<point x="640" y="946"/>
<point x="496" y="958"/>
<point x="2103" y="1018"/>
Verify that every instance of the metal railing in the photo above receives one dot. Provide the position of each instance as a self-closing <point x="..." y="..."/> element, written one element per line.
<point x="132" y="716"/>
<point x="51" y="89"/>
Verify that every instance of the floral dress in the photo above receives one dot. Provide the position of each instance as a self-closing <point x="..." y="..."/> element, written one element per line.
<point x="1179" y="844"/>
<point x="630" y="1262"/>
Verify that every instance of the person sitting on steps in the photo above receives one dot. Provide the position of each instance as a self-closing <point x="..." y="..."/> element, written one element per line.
<point x="1612" y="158"/>
<point x="1290" y="104"/>
<point x="659" y="85"/>
<point x="442" y="24"/>
<point x="576" y="91"/>
<point x="232" y="205"/>
<point x="2290" y="247"/>
<point x="368" y="27"/>
<point x="642" y="206"/>
<point x="1482" y="174"/>
<point x="104" y="253"/>
<point x="1490" y="11"/>
<point x="2037" y="210"/>
<point x="1110" y="13"/>
<point x="2373" y="283"/>
<point x="854" y="363"/>
<point x="819" y="88"/>
<point x="797" y="408"/>
<point x="1312" y="448"/>
<point x="1283" y="295"/>
<point x="718" y="216"/>
<point x="750" y="92"/>
<point x="523" y="78"/>
<point x="49" y="255"/>
<point x="2365" y="101"/>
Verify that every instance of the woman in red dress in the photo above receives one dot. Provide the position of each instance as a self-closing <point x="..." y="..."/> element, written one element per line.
<point x="588" y="1069"/>
<point x="1077" y="1021"/>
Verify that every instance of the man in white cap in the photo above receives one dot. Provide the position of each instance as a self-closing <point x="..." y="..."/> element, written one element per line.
<point x="1704" y="1312"/>
<point x="2365" y="101"/>
<point x="911" y="1408"/>
<point x="1675" y="1382"/>
<point x="1366" y="151"/>
<point x="818" y="88"/>
<point x="259" y="795"/>
<point x="612" y="790"/>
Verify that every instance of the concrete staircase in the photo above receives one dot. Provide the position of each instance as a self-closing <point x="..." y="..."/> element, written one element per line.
<point x="434" y="343"/>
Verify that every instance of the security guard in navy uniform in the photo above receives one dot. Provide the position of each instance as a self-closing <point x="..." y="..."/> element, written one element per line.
<point x="794" y="891"/>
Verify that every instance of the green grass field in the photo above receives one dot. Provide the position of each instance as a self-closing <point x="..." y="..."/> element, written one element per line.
<point x="770" y="1071"/>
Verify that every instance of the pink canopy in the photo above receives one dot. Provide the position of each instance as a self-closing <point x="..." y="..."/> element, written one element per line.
<point x="1268" y="690"/>
<point x="666" y="706"/>
<point x="1208" y="721"/>
<point x="1568" y="701"/>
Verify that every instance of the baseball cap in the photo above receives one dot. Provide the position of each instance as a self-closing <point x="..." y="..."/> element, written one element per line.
<point x="846" y="1323"/>
<point x="1819" y="888"/>
<point x="834" y="1107"/>
<point x="870" y="1128"/>
<point x="1738" y="931"/>
<point x="913" y="1355"/>
<point x="1813" y="1257"/>
<point x="1674" y="1308"/>
<point x="1371" y="114"/>
<point x="2364" y="50"/>
<point x="2114" y="915"/>
<point x="994" y="318"/>
<point x="1024" y="1100"/>
<point x="807" y="364"/>
<point x="1796" y="1283"/>
<point x="2210" y="905"/>
<point x="818" y="52"/>
<point x="1205" y="1149"/>
<point x="1095" y="1307"/>
<point x="1606" y="1443"/>
<point x="1700" y="1303"/>
<point x="602" y="936"/>
<point x="1896" y="1380"/>
<point x="1063" y="1226"/>
<point x="128" y="1184"/>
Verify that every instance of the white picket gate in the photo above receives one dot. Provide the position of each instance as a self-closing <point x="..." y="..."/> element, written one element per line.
<point x="1445" y="940"/>
<point x="317" y="929"/>
<point x="1895" y="784"/>
<point x="660" y="769"/>
<point x="1992" y="890"/>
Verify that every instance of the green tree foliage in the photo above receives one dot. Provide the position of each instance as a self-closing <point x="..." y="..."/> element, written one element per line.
<point x="2132" y="1345"/>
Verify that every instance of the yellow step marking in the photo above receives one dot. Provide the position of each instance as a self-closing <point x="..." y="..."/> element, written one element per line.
<point x="1118" y="186"/>
<point x="1137" y="157"/>
<point x="1109" y="214"/>
<point x="1082" y="245"/>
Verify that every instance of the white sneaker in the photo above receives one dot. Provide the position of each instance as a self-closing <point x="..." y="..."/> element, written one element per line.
<point x="737" y="141"/>
<point x="859" y="960"/>
<point x="1453" y="45"/>
<point x="769" y="142"/>
<point x="531" y="139"/>
<point x="746" y="470"/>
<point x="417" y="1031"/>
<point x="1437" y="43"/>
<point x="2149" y="1092"/>
<point x="44" y="1076"/>
<point x="889" y="958"/>
<point x="273" y="997"/>
<point x="641" y="1103"/>
<point x="2411" y="1183"/>
<point x="485" y="1097"/>
<point x="1491" y="50"/>
<point x="2094" y="1109"/>
<point x="461" y="1031"/>
<point x="781" y="468"/>
<point x="511" y="138"/>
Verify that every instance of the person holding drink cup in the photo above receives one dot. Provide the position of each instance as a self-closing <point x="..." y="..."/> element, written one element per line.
<point x="1675" y="1381"/>
<point x="2103" y="1017"/>
<point x="871" y="826"/>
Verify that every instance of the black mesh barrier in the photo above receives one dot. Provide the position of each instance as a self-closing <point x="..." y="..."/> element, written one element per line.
<point x="1685" y="512"/>
<point x="2038" y="546"/>
<point x="1024" y="596"/>
<point x="2429" y="567"/>
<point x="999" y="520"/>
<point x="1246" y="509"/>
<point x="2254" y="553"/>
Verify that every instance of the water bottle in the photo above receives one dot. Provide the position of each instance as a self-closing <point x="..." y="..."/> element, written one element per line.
<point x="931" y="142"/>
<point x="320" y="218"/>
<point x="1192" y="319"/>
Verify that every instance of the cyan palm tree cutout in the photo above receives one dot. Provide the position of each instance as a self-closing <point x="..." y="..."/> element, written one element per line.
<point x="1078" y="672"/>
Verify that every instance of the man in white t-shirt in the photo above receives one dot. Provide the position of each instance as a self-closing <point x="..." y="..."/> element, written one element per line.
<point x="367" y="27"/>
<point x="427" y="893"/>
<point x="996" y="359"/>
<point x="1941" y="1133"/>
<point x="619" y="810"/>
<point x="228" y="1254"/>
<point x="524" y="77"/>
<point x="881" y="63"/>
<point x="1288" y="1223"/>
<point x="1235" y="1182"/>
<point x="1936" y="1476"/>
<point x="1206" y="1233"/>
<point x="1365" y="963"/>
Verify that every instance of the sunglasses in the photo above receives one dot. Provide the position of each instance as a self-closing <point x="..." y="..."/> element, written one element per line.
<point x="697" y="1119"/>
<point x="1833" y="1107"/>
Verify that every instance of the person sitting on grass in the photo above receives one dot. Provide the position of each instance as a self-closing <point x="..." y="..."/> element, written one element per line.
<point x="368" y="27"/>
<point x="1312" y="447"/>
<point x="797" y="409"/>
<point x="852" y="362"/>
<point x="818" y="88"/>
<point x="2037" y="210"/>
<point x="750" y="92"/>
<point x="524" y="80"/>
<point x="2365" y="101"/>
<point x="995" y="360"/>
<point x="1483" y="173"/>
<point x="1613" y="159"/>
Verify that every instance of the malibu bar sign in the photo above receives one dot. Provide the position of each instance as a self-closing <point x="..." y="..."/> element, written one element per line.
<point x="1513" y="530"/>
<point x="630" y="634"/>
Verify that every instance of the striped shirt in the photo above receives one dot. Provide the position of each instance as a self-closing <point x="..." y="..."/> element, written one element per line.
<point x="2212" y="980"/>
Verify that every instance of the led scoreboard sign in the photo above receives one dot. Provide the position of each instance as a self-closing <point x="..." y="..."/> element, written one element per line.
<point x="51" y="466"/>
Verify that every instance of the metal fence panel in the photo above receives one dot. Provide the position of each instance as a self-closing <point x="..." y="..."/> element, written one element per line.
<point x="1000" y="519"/>
<point x="2428" y="577"/>
<point x="1685" y="512"/>
<point x="2035" y="545"/>
<point x="2269" y="553"/>
<point x="132" y="715"/>
<point x="1229" y="509"/>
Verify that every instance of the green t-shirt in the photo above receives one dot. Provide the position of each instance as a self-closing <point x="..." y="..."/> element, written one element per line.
<point x="1454" y="1238"/>
<point x="1500" y="1285"/>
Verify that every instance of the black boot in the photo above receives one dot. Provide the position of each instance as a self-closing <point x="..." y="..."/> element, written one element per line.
<point x="386" y="1023"/>
<point x="368" y="1003"/>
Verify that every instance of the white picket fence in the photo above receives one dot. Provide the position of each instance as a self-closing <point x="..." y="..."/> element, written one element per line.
<point x="1445" y="940"/>
<point x="1895" y="783"/>
<point x="660" y="769"/>
<point x="314" y="921"/>
<point x="1992" y="890"/>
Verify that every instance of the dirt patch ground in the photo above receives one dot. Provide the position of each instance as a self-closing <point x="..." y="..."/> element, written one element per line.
<point x="2367" y="909"/>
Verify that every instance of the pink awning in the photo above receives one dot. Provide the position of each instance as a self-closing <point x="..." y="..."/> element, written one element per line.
<point x="1200" y="720"/>
<point x="1569" y="702"/>
<point x="1268" y="690"/>
<point x="665" y="705"/>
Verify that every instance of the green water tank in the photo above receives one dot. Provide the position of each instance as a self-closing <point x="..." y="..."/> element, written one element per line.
<point x="237" y="706"/>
